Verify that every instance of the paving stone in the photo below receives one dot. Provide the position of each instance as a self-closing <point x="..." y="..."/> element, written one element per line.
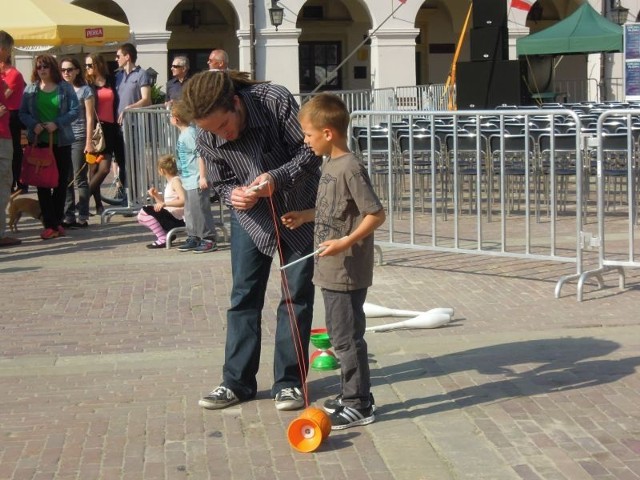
<point x="108" y="346"/>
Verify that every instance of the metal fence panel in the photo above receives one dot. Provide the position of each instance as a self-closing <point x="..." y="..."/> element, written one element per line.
<point x="457" y="182"/>
<point x="616" y="171"/>
<point x="148" y="134"/>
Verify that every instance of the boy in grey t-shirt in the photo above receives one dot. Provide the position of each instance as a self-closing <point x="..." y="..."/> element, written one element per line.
<point x="347" y="213"/>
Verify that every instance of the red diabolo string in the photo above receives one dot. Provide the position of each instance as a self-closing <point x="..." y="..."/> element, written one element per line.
<point x="293" y="321"/>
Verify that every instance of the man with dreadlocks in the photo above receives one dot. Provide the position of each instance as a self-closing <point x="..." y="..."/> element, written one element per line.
<point x="252" y="144"/>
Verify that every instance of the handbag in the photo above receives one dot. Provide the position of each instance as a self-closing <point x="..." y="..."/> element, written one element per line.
<point x="39" y="167"/>
<point x="98" y="142"/>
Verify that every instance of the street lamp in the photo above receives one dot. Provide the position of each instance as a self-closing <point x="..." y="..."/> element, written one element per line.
<point x="618" y="14"/>
<point x="275" y="14"/>
<point x="153" y="75"/>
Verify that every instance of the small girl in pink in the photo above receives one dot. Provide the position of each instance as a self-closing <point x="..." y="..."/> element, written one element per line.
<point x="168" y="211"/>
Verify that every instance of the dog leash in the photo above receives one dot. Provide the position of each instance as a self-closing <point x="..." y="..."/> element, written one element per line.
<point x="75" y="177"/>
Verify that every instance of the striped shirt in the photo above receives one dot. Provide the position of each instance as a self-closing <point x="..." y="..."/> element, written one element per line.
<point x="272" y="142"/>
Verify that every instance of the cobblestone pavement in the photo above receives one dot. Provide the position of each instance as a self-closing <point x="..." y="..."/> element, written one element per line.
<point x="107" y="347"/>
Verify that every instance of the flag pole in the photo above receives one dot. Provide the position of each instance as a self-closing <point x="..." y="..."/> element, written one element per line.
<point x="366" y="39"/>
<point x="449" y="86"/>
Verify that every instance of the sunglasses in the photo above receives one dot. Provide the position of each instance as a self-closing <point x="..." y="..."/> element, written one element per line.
<point x="43" y="67"/>
<point x="67" y="70"/>
<point x="177" y="66"/>
<point x="88" y="65"/>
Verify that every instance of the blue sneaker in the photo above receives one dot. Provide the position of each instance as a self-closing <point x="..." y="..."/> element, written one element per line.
<point x="189" y="244"/>
<point x="206" y="246"/>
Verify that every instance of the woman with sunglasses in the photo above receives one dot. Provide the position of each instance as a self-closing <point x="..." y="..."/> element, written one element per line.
<point x="48" y="107"/>
<point x="103" y="85"/>
<point x="83" y="130"/>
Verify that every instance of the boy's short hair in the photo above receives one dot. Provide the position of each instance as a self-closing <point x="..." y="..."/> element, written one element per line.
<point x="326" y="110"/>
<point x="168" y="164"/>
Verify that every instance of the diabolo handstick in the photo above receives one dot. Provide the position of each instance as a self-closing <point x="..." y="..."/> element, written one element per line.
<point x="302" y="258"/>
<point x="255" y="188"/>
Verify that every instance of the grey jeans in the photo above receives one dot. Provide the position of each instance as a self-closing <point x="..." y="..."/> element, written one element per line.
<point x="346" y="323"/>
<point x="78" y="181"/>
<point x="197" y="214"/>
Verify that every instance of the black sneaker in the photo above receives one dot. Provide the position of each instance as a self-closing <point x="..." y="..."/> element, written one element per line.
<point x="335" y="403"/>
<point x="72" y="225"/>
<point x="289" y="399"/>
<point x="219" y="397"/>
<point x="345" y="417"/>
<point x="189" y="244"/>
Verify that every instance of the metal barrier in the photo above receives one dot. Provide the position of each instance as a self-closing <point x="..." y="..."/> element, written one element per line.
<point x="422" y="97"/>
<point x="376" y="99"/>
<point x="445" y="176"/>
<point x="437" y="97"/>
<point x="353" y="99"/>
<point x="408" y="98"/>
<point x="148" y="134"/>
<point x="412" y="98"/>
<point x="616" y="169"/>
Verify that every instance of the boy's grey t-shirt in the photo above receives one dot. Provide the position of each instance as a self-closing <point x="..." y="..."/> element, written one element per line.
<point x="345" y="195"/>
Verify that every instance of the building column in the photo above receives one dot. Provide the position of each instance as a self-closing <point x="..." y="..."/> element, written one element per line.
<point x="152" y="53"/>
<point x="244" y="50"/>
<point x="515" y="32"/>
<point x="24" y="63"/>
<point x="390" y="48"/>
<point x="277" y="57"/>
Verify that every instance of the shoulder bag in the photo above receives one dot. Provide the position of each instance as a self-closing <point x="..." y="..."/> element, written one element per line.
<point x="97" y="139"/>
<point x="39" y="167"/>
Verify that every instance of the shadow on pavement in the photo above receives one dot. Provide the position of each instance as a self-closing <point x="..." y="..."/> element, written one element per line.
<point x="527" y="368"/>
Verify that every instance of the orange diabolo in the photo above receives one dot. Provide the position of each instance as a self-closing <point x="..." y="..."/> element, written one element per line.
<point x="307" y="432"/>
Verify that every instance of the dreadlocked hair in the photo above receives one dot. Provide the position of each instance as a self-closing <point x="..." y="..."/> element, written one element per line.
<point x="209" y="91"/>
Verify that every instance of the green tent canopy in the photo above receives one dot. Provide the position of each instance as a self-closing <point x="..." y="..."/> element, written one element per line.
<point x="584" y="31"/>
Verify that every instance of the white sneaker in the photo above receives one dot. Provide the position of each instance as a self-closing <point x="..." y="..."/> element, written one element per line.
<point x="219" y="397"/>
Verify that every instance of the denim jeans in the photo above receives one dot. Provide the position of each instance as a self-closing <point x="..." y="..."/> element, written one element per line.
<point x="78" y="181"/>
<point x="250" y="271"/>
<point x="6" y="177"/>
<point x="120" y="157"/>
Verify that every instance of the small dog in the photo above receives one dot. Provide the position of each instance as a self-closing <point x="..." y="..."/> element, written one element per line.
<point x="18" y="206"/>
